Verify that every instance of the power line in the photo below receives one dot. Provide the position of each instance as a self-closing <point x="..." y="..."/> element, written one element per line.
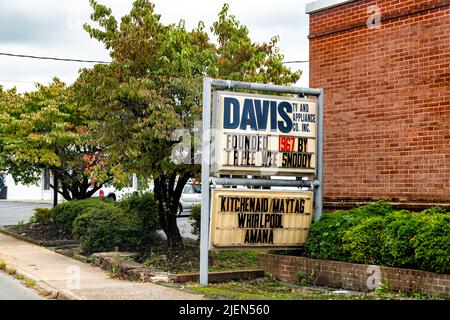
<point x="92" y="61"/>
<point x="297" y="61"/>
<point x="50" y="58"/>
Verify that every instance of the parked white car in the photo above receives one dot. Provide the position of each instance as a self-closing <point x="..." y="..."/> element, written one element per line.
<point x="192" y="195"/>
<point x="111" y="193"/>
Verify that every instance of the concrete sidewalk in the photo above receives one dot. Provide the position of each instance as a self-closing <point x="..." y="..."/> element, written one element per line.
<point x="65" y="278"/>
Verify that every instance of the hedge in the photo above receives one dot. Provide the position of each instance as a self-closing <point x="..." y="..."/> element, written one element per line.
<point x="377" y="234"/>
<point x="362" y="243"/>
<point x="105" y="229"/>
<point x="102" y="225"/>
<point x="432" y="245"/>
<point x="65" y="213"/>
<point x="143" y="209"/>
<point x="325" y="238"/>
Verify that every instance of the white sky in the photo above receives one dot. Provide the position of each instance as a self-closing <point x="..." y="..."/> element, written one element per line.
<point x="54" y="28"/>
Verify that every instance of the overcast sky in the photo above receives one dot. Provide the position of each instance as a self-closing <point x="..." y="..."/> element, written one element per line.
<point x="54" y="28"/>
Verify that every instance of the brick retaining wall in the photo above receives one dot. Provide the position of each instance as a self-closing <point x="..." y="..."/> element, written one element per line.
<point x="353" y="276"/>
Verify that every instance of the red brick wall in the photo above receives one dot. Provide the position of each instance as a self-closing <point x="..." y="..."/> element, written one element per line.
<point x="353" y="276"/>
<point x="387" y="100"/>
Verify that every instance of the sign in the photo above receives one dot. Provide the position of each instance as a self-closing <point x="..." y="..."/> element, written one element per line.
<point x="263" y="135"/>
<point x="259" y="219"/>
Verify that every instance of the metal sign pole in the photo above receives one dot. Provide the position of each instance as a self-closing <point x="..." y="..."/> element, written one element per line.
<point x="206" y="158"/>
<point x="319" y="168"/>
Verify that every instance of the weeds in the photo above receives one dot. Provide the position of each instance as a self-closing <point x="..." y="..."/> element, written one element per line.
<point x="10" y="270"/>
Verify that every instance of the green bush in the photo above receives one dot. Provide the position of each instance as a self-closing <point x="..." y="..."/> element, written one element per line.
<point x="432" y="245"/>
<point x="65" y="213"/>
<point x="376" y="234"/>
<point x="434" y="210"/>
<point x="195" y="219"/>
<point x="105" y="229"/>
<point x="42" y="216"/>
<point x="142" y="208"/>
<point x="397" y="238"/>
<point x="324" y="239"/>
<point x="362" y="243"/>
<point x="379" y="208"/>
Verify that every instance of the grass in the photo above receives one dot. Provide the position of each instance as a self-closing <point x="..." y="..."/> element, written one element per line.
<point x="269" y="289"/>
<point x="233" y="260"/>
<point x="30" y="283"/>
<point x="21" y="226"/>
<point x="2" y="265"/>
<point x="19" y="277"/>
<point x="186" y="259"/>
<point x="10" y="270"/>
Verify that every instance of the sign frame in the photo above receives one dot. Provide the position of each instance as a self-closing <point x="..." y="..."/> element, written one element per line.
<point x="259" y="193"/>
<point x="208" y="85"/>
<point x="217" y="153"/>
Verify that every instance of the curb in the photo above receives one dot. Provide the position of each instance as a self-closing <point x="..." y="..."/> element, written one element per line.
<point x="20" y="237"/>
<point x="41" y="286"/>
<point x="134" y="271"/>
<point x="44" y="289"/>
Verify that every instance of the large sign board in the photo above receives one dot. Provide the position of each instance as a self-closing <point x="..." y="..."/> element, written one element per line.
<point x="263" y="135"/>
<point x="260" y="218"/>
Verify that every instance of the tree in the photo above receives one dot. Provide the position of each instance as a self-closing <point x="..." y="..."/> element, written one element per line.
<point x="153" y="87"/>
<point x="45" y="130"/>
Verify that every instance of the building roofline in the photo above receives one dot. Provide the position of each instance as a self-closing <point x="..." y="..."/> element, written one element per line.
<point x="319" y="5"/>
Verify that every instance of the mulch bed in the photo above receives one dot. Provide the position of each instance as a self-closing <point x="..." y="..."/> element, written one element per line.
<point x="49" y="234"/>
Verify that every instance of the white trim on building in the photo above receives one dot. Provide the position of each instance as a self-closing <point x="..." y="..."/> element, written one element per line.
<point x="320" y="5"/>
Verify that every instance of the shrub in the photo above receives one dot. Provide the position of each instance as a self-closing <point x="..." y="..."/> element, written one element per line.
<point x="142" y="208"/>
<point x="362" y="243"/>
<point x="434" y="210"/>
<point x="432" y="244"/>
<point x="376" y="234"/>
<point x="195" y="219"/>
<point x="105" y="229"/>
<point x="42" y="216"/>
<point x="397" y="239"/>
<point x="65" y="213"/>
<point x="379" y="208"/>
<point x="324" y="239"/>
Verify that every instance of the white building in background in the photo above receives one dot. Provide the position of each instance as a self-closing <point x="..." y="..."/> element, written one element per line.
<point x="39" y="192"/>
<point x="43" y="193"/>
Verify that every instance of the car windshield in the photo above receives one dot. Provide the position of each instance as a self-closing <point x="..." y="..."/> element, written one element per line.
<point x="197" y="188"/>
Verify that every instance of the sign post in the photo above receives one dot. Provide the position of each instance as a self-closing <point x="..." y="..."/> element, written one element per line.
<point x="259" y="135"/>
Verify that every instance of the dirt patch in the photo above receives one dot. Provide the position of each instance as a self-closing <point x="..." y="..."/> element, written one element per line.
<point x="49" y="234"/>
<point x="185" y="259"/>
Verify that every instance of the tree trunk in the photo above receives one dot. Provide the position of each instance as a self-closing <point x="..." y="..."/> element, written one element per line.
<point x="72" y="189"/>
<point x="55" y="189"/>
<point x="167" y="196"/>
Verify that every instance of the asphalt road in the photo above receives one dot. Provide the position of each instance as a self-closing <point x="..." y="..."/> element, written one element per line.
<point x="13" y="212"/>
<point x="12" y="289"/>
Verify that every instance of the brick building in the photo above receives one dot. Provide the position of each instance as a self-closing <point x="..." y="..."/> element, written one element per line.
<point x="385" y="68"/>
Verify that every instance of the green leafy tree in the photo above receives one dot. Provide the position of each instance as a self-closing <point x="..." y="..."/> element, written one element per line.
<point x="153" y="87"/>
<point x="46" y="130"/>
